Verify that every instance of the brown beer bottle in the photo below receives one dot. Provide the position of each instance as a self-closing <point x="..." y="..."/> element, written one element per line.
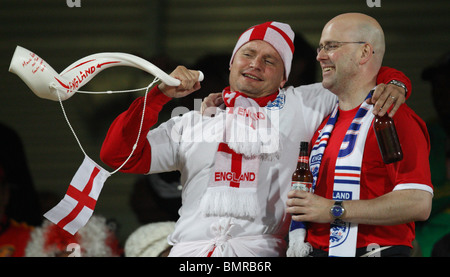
<point x="390" y="148"/>
<point x="302" y="178"/>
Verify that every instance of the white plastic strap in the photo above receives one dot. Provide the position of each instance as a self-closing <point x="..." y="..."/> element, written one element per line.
<point x="111" y="91"/>
<point x="147" y="89"/>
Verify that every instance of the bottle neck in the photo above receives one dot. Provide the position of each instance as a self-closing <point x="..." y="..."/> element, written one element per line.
<point x="303" y="158"/>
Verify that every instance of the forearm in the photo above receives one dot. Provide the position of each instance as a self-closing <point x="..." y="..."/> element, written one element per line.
<point x="396" y="207"/>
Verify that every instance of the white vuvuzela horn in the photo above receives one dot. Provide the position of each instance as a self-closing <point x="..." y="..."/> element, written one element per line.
<point x="43" y="80"/>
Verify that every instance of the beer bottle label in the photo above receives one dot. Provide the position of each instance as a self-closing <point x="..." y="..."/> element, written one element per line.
<point x="305" y="186"/>
<point x="303" y="159"/>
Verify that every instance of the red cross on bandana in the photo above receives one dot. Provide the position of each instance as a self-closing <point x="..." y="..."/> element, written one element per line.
<point x="77" y="206"/>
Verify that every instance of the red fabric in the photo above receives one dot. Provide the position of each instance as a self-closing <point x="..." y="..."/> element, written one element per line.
<point x="59" y="238"/>
<point x="377" y="178"/>
<point x="236" y="163"/>
<point x="387" y="74"/>
<point x="260" y="31"/>
<point x="262" y="101"/>
<point x="14" y="238"/>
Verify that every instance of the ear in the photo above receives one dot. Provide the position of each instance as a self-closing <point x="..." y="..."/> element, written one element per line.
<point x="366" y="53"/>
<point x="283" y="79"/>
<point x="283" y="82"/>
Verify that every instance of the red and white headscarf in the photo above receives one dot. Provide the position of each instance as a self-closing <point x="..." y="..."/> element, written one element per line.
<point x="279" y="35"/>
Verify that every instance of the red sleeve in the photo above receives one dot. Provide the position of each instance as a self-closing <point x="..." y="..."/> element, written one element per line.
<point x="415" y="142"/>
<point x="123" y="132"/>
<point x="387" y="74"/>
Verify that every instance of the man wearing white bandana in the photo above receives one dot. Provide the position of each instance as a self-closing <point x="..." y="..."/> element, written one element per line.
<point x="376" y="204"/>
<point x="235" y="166"/>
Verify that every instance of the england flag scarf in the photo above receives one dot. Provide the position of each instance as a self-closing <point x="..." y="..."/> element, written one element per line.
<point x="347" y="173"/>
<point x="249" y="136"/>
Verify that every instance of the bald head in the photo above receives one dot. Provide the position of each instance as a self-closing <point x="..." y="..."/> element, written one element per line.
<point x="359" y="27"/>
<point x="354" y="56"/>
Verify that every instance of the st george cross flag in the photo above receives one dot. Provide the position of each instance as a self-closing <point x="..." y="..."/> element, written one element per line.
<point x="77" y="206"/>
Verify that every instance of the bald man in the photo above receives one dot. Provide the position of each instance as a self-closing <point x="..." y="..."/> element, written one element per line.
<point x="361" y="206"/>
